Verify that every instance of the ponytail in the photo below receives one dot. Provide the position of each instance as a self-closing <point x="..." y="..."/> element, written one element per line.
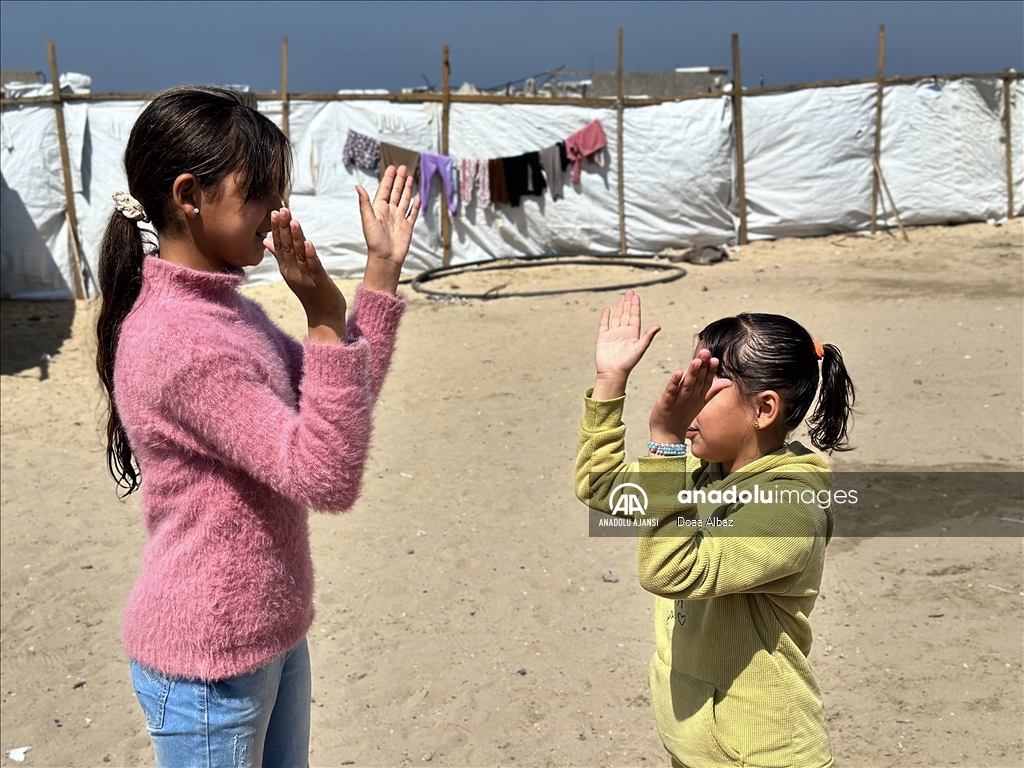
<point x="835" y="403"/>
<point x="761" y="352"/>
<point x="207" y="132"/>
<point x="120" y="279"/>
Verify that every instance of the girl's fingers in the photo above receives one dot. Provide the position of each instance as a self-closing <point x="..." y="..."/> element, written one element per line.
<point x="403" y="201"/>
<point x="619" y="308"/>
<point x="287" y="241"/>
<point x="398" y="189"/>
<point x="298" y="241"/>
<point x="672" y="388"/>
<point x="700" y="378"/>
<point x="415" y="214"/>
<point x="387" y="183"/>
<point x="312" y="260"/>
<point x="707" y="373"/>
<point x="645" y="342"/>
<point x="634" y="310"/>
<point x="365" y="206"/>
<point x="275" y="234"/>
<point x="717" y="386"/>
<point x="691" y="377"/>
<point x="712" y="369"/>
<point x="605" y="318"/>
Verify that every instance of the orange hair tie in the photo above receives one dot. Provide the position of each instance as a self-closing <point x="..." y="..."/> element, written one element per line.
<point x="819" y="350"/>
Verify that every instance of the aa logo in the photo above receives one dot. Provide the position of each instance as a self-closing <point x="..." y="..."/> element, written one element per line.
<point x="628" y="498"/>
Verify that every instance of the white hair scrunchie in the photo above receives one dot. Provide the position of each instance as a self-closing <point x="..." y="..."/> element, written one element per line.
<point x="129" y="207"/>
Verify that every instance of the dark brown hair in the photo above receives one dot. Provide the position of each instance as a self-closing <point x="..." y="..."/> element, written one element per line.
<point x="758" y="352"/>
<point x="208" y="132"/>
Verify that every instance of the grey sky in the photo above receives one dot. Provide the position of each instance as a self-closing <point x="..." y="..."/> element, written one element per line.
<point x="148" y="46"/>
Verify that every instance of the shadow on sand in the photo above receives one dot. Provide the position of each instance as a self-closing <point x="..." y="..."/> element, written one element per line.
<point x="31" y="333"/>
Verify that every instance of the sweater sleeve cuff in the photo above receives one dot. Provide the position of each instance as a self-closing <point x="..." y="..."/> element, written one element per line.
<point x="681" y="468"/>
<point x="601" y="415"/>
<point x="663" y="463"/>
<point x="377" y="312"/>
<point x="336" y="365"/>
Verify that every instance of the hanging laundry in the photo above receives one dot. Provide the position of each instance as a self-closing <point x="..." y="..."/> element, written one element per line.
<point x="361" y="151"/>
<point x="523" y="176"/>
<point x="396" y="156"/>
<point x="566" y="162"/>
<point x="551" y="162"/>
<point x="443" y="166"/>
<point x="586" y="142"/>
<point x="496" y="175"/>
<point x="475" y="177"/>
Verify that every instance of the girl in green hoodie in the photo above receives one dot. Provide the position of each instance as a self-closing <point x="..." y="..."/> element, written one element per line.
<point x="733" y="533"/>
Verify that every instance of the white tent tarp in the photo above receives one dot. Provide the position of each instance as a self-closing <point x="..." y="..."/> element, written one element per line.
<point x="807" y="164"/>
<point x="808" y="161"/>
<point x="35" y="257"/>
<point x="1017" y="136"/>
<point x="942" y="152"/>
<point x="678" y="159"/>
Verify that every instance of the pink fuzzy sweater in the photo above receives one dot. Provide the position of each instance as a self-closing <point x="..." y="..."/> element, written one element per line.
<point x="238" y="430"/>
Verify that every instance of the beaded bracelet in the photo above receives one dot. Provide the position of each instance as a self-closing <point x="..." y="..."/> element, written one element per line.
<point x="667" y="449"/>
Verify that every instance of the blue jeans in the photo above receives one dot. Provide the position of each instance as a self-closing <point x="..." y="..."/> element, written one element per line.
<point x="256" y="720"/>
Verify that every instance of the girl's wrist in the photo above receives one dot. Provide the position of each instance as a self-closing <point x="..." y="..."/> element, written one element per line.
<point x="609" y="386"/>
<point x="666" y="438"/>
<point x="382" y="274"/>
<point x="327" y="334"/>
<point x="329" y="328"/>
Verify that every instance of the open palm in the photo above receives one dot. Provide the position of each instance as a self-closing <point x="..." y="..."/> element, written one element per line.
<point x="619" y="344"/>
<point x="389" y="219"/>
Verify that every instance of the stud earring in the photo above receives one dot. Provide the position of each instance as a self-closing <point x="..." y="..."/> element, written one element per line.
<point x="195" y="211"/>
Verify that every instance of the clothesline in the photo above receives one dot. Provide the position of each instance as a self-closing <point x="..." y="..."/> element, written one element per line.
<point x="492" y="181"/>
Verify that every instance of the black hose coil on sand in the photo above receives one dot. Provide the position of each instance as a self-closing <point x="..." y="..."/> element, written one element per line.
<point x="545" y="260"/>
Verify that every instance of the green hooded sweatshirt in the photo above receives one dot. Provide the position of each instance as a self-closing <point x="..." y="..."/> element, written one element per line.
<point x="736" y="574"/>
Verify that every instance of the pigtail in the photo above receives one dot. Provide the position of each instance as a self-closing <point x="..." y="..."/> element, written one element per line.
<point x="835" y="404"/>
<point x="120" y="282"/>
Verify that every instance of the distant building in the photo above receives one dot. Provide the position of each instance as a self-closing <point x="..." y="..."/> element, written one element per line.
<point x="564" y="83"/>
<point x="19" y="76"/>
<point x="681" y="82"/>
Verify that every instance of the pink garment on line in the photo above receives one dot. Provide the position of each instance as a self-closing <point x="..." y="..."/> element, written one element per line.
<point x="475" y="176"/>
<point x="586" y="142"/>
<point x="238" y="429"/>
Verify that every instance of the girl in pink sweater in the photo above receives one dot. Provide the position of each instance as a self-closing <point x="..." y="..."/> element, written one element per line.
<point x="235" y="428"/>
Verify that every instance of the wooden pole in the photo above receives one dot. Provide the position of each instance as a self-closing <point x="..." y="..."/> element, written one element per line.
<point x="877" y="154"/>
<point x="737" y="109"/>
<point x="619" y="107"/>
<point x="888" y="195"/>
<point x="446" y="100"/>
<point x="285" y="127"/>
<point x="1008" y="122"/>
<point x="65" y="164"/>
<point x="284" y="86"/>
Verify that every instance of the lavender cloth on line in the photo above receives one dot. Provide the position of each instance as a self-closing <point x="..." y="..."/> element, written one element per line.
<point x="444" y="167"/>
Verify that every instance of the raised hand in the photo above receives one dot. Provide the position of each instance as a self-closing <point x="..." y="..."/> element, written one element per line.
<point x="684" y="397"/>
<point x="619" y="346"/>
<point x="302" y="271"/>
<point x="387" y="227"/>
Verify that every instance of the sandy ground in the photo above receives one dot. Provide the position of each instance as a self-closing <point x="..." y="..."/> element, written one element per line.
<point x="462" y="618"/>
